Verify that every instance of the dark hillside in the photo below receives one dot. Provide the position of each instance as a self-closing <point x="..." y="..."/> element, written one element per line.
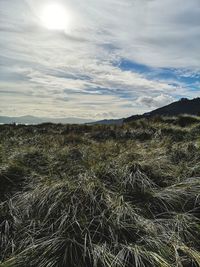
<point x="183" y="106"/>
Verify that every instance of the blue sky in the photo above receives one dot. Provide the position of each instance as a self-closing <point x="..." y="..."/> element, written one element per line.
<point x="114" y="58"/>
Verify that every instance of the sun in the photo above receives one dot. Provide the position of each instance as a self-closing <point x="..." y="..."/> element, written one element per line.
<point x="55" y="17"/>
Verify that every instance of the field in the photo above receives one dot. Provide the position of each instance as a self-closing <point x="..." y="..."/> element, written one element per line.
<point x="101" y="196"/>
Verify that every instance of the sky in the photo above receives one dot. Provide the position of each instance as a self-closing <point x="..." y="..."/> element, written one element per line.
<point x="113" y="59"/>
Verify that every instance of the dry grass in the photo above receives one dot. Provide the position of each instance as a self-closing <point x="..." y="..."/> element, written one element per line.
<point x="100" y="196"/>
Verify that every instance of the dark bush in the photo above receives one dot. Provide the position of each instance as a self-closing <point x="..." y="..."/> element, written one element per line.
<point x="185" y="121"/>
<point x="11" y="180"/>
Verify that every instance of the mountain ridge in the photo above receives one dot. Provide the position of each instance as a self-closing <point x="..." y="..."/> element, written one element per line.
<point x="29" y="119"/>
<point x="180" y="107"/>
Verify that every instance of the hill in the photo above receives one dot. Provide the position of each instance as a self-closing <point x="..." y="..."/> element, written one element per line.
<point x="109" y="122"/>
<point x="183" y="106"/>
<point x="101" y="195"/>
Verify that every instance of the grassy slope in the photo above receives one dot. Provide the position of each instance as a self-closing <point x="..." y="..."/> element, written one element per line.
<point x="95" y="196"/>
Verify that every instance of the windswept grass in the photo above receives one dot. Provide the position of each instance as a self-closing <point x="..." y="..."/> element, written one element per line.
<point x="101" y="196"/>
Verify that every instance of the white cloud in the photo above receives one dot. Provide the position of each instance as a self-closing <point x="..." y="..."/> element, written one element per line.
<point x="76" y="72"/>
<point x="155" y="102"/>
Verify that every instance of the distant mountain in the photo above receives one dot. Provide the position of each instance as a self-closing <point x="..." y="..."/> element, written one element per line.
<point x="109" y="122"/>
<point x="37" y="120"/>
<point x="183" y="106"/>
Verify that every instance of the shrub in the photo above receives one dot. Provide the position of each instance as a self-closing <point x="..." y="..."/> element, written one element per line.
<point x="11" y="180"/>
<point x="185" y="121"/>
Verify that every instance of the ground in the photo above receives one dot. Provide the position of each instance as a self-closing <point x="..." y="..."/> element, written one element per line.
<point x="101" y="196"/>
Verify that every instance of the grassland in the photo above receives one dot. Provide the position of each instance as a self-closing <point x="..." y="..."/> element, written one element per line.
<point x="101" y="196"/>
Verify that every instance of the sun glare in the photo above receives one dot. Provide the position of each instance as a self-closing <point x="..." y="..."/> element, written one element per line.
<point x="55" y="17"/>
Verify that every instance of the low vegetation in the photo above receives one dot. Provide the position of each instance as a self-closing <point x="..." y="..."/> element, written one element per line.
<point x="101" y="196"/>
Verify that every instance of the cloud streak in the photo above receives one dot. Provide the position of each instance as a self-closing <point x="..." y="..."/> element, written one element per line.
<point x="77" y="72"/>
